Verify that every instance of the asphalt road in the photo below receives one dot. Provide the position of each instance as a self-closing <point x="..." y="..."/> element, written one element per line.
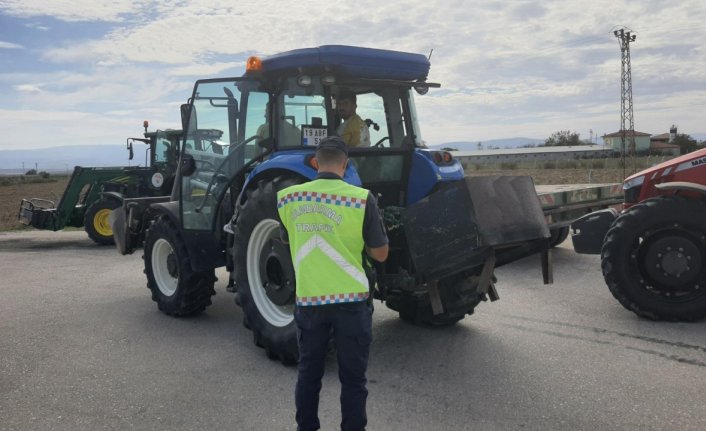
<point x="83" y="347"/>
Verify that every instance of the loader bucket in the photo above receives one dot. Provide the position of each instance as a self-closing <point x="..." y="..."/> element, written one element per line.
<point x="38" y="213"/>
<point x="457" y="227"/>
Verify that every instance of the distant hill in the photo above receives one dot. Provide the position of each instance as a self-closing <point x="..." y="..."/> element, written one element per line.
<point x="493" y="143"/>
<point x="62" y="159"/>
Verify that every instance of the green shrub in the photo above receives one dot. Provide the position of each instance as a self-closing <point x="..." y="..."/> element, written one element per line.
<point x="13" y="180"/>
<point x="508" y="165"/>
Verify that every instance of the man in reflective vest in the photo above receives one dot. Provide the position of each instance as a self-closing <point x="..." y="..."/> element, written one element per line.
<point x="329" y="224"/>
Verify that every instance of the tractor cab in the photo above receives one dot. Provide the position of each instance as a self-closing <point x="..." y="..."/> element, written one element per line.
<point x="239" y="130"/>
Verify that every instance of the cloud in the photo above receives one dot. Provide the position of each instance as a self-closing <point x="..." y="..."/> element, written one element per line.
<point x="72" y="11"/>
<point x="524" y="68"/>
<point x="10" y="45"/>
<point x="28" y="88"/>
<point x="37" y="26"/>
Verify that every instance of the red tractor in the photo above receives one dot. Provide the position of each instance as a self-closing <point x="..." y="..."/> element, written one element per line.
<point x="653" y="252"/>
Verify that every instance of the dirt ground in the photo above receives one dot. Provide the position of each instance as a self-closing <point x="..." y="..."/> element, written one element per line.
<point x="11" y="196"/>
<point x="559" y="176"/>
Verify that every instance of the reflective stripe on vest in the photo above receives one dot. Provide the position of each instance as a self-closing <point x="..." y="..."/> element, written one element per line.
<point x="324" y="219"/>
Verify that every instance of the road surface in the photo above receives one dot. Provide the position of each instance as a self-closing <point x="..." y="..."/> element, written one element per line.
<point x="83" y="347"/>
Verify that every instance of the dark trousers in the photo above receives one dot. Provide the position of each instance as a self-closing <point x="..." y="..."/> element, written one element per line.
<point x="351" y="327"/>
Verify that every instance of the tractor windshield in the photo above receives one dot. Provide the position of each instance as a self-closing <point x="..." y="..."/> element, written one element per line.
<point x="226" y="121"/>
<point x="386" y="110"/>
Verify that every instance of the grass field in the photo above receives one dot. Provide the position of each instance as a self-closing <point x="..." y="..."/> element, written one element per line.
<point x="13" y="190"/>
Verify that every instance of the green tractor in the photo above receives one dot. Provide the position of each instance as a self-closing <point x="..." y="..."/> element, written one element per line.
<point x="94" y="192"/>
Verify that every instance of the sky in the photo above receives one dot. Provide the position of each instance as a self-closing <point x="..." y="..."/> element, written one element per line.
<point x="79" y="72"/>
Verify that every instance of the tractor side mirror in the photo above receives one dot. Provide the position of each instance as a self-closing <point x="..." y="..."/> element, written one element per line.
<point x="185" y="116"/>
<point x="188" y="165"/>
<point x="129" y="149"/>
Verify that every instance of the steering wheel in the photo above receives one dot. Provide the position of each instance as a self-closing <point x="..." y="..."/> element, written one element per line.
<point x="378" y="144"/>
<point x="250" y="139"/>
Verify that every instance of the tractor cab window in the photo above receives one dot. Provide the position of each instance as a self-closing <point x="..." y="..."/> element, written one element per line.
<point x="371" y="109"/>
<point x="221" y="137"/>
<point x="308" y="111"/>
<point x="166" y="148"/>
<point x="382" y="111"/>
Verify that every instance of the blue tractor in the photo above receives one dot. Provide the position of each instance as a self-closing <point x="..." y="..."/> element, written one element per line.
<point x="248" y="137"/>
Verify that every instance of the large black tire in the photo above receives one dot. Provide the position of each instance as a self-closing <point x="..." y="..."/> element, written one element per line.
<point x="264" y="276"/>
<point x="559" y="235"/>
<point x="176" y="288"/>
<point x="654" y="259"/>
<point x="459" y="296"/>
<point x="96" y="223"/>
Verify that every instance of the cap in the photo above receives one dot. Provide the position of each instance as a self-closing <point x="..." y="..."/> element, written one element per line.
<point x="334" y="142"/>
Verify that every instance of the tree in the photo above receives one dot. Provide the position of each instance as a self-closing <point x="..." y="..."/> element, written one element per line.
<point x="31" y="172"/>
<point x="686" y="143"/>
<point x="562" y="138"/>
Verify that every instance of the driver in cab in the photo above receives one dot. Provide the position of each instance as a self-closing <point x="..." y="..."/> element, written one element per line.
<point x="353" y="129"/>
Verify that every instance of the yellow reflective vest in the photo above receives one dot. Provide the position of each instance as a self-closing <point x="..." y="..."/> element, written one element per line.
<point x="354" y="132"/>
<point x="324" y="220"/>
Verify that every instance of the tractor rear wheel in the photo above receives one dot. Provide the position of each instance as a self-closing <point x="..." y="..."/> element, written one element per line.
<point x="96" y="221"/>
<point x="176" y="288"/>
<point x="654" y="259"/>
<point x="459" y="297"/>
<point x="264" y="273"/>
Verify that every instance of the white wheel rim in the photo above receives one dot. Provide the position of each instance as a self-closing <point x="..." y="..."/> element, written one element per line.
<point x="276" y="315"/>
<point x="166" y="283"/>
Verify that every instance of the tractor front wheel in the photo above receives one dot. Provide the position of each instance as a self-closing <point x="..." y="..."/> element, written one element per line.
<point x="177" y="289"/>
<point x="654" y="259"/>
<point x="96" y="221"/>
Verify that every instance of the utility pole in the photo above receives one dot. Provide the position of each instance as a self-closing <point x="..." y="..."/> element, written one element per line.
<point x="627" y="122"/>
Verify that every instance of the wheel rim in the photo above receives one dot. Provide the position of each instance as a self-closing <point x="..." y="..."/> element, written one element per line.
<point x="276" y="315"/>
<point x="669" y="261"/>
<point x="101" y="222"/>
<point x="164" y="267"/>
